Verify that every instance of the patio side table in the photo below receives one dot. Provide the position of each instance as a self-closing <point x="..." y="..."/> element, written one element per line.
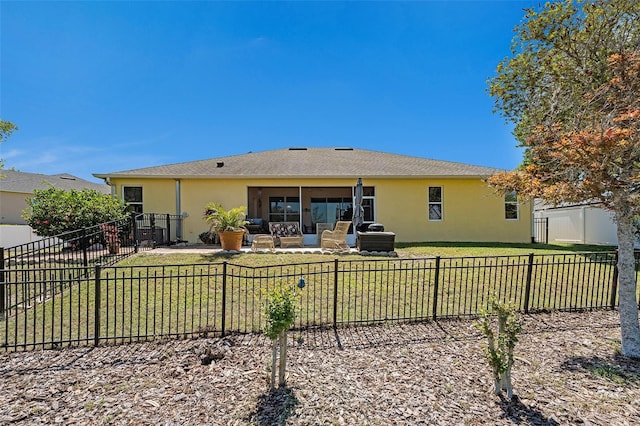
<point x="262" y="241"/>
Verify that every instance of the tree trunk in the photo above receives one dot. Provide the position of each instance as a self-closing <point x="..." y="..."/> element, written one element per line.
<point x="628" y="305"/>
<point x="274" y="356"/>
<point x="283" y="358"/>
<point x="508" y="388"/>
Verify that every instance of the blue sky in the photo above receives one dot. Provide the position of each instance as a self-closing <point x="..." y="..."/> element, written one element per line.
<point x="99" y="87"/>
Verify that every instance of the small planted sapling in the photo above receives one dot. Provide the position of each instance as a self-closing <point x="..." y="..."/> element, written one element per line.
<point x="280" y="313"/>
<point x="499" y="348"/>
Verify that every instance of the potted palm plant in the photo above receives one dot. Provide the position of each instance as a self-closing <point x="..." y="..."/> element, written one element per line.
<point x="229" y="224"/>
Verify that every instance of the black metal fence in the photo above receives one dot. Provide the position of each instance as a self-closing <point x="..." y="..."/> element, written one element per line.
<point x="122" y="304"/>
<point x="155" y="229"/>
<point x="67" y="257"/>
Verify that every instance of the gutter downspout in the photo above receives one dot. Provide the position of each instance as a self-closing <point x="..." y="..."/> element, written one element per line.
<point x="301" y="209"/>
<point x="178" y="212"/>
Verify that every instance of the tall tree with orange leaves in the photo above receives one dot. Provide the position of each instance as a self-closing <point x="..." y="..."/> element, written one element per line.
<point x="572" y="88"/>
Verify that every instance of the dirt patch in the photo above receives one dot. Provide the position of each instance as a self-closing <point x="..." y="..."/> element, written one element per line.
<point x="567" y="371"/>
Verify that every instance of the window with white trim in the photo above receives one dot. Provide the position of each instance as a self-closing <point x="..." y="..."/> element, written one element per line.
<point x="132" y="196"/>
<point x="435" y="203"/>
<point x="511" y="206"/>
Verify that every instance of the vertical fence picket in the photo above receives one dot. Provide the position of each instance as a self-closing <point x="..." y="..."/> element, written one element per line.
<point x="84" y="241"/>
<point x="224" y="299"/>
<point x="435" y="289"/>
<point x="168" y="236"/>
<point x="527" y="291"/>
<point x="335" y="292"/>
<point x="614" y="283"/>
<point x="97" y="301"/>
<point x="3" y="293"/>
<point x="134" y="226"/>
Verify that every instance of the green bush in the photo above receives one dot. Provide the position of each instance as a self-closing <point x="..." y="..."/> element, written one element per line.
<point x="501" y="342"/>
<point x="280" y="311"/>
<point x="54" y="211"/>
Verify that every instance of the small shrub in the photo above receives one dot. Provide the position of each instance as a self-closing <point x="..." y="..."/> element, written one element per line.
<point x="499" y="348"/>
<point x="280" y="313"/>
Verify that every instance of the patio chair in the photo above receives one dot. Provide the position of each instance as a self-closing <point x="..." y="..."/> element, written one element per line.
<point x="286" y="234"/>
<point x="336" y="239"/>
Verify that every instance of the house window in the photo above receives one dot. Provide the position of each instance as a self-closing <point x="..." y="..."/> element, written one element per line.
<point x="132" y="195"/>
<point x="511" y="206"/>
<point x="435" y="203"/>
<point x="284" y="209"/>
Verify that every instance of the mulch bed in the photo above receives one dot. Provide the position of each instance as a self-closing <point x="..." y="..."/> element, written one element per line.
<point x="567" y="371"/>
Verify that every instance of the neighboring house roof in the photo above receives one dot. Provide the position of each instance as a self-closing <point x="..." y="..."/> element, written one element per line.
<point x="14" y="181"/>
<point x="309" y="163"/>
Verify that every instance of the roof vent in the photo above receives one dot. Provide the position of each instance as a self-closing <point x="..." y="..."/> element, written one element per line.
<point x="298" y="149"/>
<point x="220" y="164"/>
<point x="344" y="149"/>
<point x="67" y="177"/>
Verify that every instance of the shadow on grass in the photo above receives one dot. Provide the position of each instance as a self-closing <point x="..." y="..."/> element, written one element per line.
<point x="517" y="412"/>
<point x="274" y="407"/>
<point x="618" y="369"/>
<point x="400" y="334"/>
<point x="559" y="247"/>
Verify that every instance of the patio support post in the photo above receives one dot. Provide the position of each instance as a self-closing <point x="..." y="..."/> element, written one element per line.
<point x="178" y="212"/>
<point x="435" y="289"/>
<point x="301" y="212"/>
<point x="527" y="290"/>
<point x="96" y="309"/>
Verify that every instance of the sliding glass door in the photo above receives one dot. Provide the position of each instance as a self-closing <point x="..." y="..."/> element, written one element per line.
<point x="284" y="209"/>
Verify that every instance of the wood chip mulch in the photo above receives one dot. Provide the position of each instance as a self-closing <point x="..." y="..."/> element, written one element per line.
<point x="568" y="371"/>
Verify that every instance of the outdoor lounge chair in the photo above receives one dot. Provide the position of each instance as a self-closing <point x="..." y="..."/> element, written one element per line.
<point x="336" y="239"/>
<point x="286" y="234"/>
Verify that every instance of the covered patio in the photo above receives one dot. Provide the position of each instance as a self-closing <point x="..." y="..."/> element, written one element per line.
<point x="315" y="209"/>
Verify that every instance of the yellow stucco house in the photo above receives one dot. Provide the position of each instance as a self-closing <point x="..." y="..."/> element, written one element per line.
<point x="418" y="199"/>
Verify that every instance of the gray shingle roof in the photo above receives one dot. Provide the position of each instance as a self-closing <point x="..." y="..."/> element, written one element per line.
<point x="308" y="163"/>
<point x="14" y="181"/>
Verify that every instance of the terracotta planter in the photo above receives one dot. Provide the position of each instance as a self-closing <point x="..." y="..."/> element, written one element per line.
<point x="231" y="240"/>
